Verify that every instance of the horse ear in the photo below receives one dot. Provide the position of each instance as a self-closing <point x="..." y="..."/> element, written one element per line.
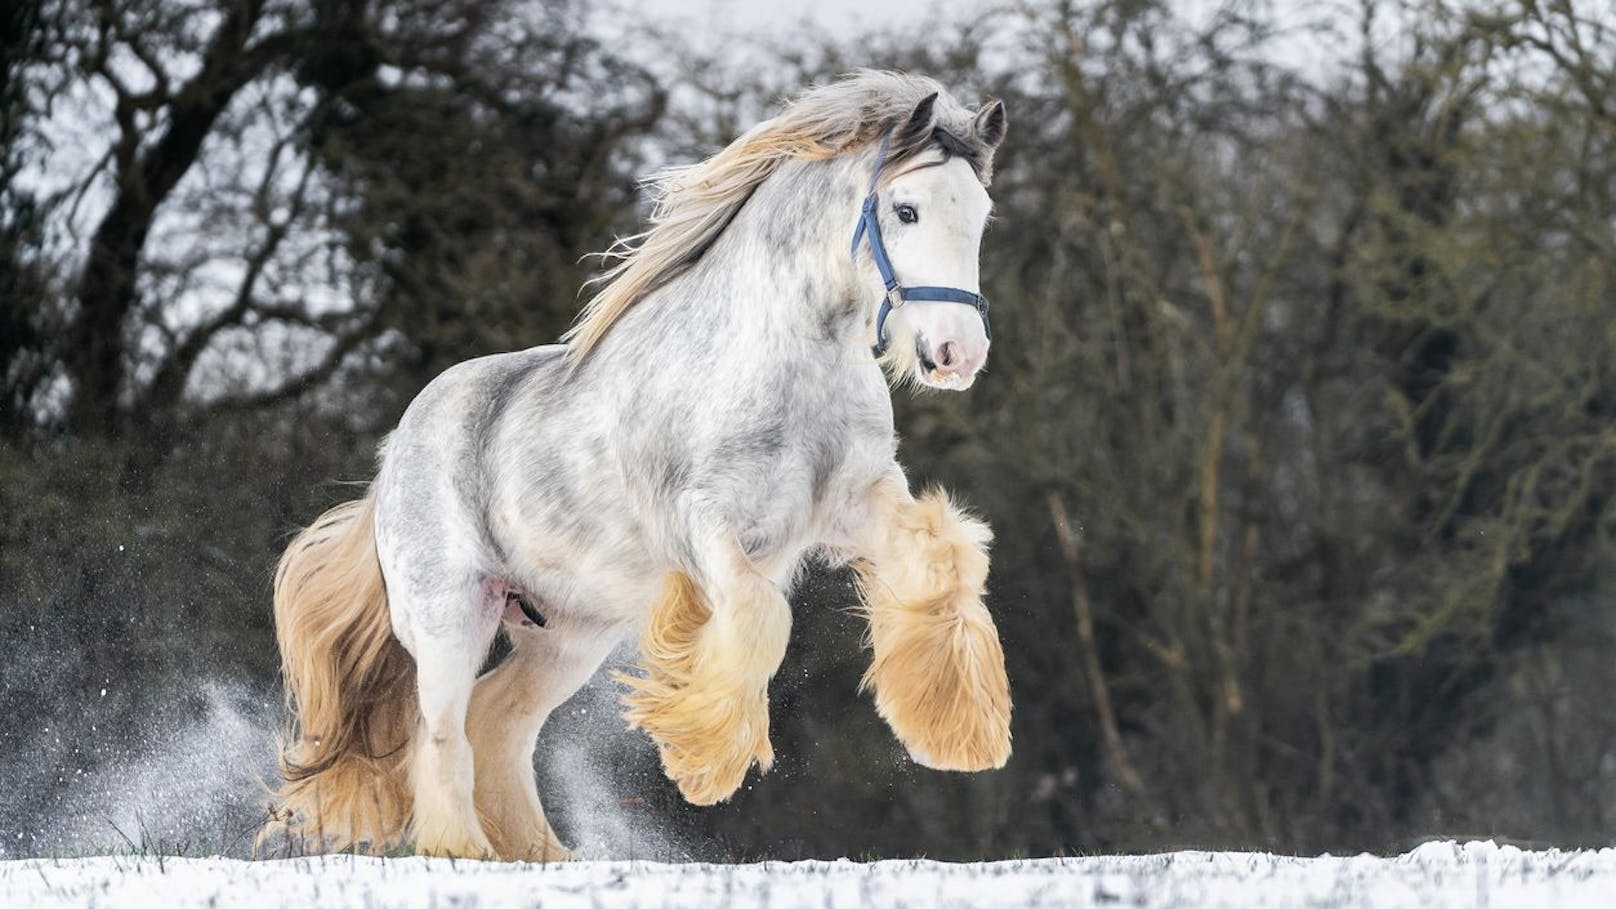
<point x="917" y="129"/>
<point x="991" y="123"/>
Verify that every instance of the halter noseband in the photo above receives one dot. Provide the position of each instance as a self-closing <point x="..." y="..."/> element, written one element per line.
<point x="897" y="294"/>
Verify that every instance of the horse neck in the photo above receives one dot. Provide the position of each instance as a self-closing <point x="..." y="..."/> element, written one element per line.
<point x="780" y="272"/>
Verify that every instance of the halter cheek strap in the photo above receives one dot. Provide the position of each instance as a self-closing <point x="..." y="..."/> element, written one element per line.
<point x="897" y="294"/>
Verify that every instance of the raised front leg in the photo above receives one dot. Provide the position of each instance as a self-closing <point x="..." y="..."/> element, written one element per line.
<point x="708" y="655"/>
<point x="938" y="670"/>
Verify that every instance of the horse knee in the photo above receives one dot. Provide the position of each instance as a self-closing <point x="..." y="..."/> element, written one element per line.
<point x="704" y="695"/>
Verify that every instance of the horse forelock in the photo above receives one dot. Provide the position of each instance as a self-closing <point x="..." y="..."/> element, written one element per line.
<point x="976" y="153"/>
<point x="694" y="204"/>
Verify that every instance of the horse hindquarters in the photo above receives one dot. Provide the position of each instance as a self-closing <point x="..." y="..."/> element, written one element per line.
<point x="350" y="689"/>
<point x="378" y="754"/>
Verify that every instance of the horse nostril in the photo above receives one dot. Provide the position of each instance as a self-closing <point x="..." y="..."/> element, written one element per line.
<point x="947" y="354"/>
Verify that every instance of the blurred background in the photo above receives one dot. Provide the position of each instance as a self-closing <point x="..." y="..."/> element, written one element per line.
<point x="1297" y="436"/>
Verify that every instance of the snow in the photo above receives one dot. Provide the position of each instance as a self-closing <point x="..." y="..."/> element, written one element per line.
<point x="1437" y="875"/>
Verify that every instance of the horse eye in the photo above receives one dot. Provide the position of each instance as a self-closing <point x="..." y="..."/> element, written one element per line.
<point x="907" y="214"/>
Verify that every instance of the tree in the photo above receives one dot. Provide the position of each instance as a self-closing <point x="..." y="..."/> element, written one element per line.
<point x="240" y="207"/>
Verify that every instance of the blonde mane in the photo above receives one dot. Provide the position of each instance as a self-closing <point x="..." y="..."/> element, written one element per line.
<point x="692" y="205"/>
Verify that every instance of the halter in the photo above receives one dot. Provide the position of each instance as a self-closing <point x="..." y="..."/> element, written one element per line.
<point x="897" y="294"/>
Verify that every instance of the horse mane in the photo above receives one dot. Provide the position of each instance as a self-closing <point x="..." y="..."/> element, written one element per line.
<point x="693" y="204"/>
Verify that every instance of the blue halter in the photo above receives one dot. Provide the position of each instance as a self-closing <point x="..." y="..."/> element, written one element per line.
<point x="897" y="294"/>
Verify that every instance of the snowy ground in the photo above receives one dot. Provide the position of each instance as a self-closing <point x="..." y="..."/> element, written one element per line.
<point x="1434" y="876"/>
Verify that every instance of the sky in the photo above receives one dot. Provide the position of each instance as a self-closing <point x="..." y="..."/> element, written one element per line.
<point x="708" y="23"/>
<point x="837" y="16"/>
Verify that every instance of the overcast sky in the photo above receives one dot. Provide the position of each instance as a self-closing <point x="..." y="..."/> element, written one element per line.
<point x="840" y="16"/>
<point x="711" y="22"/>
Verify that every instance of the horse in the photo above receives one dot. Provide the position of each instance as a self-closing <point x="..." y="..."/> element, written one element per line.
<point x="719" y="415"/>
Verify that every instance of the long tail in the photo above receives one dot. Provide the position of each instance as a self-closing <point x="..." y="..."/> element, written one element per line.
<point x="350" y="690"/>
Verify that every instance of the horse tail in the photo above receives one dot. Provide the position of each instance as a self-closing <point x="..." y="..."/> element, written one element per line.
<point x="350" y="690"/>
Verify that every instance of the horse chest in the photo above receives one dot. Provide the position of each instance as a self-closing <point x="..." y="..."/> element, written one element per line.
<point x="781" y="504"/>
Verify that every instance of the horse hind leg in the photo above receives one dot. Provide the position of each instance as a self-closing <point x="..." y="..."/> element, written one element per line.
<point x="508" y="708"/>
<point x="444" y="820"/>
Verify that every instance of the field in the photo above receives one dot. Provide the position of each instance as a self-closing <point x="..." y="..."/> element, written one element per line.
<point x="1437" y="875"/>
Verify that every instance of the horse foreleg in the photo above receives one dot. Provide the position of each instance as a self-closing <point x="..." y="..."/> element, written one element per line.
<point x="708" y="657"/>
<point x="938" y="669"/>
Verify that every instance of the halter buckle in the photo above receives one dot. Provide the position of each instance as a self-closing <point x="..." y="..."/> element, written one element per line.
<point x="895" y="296"/>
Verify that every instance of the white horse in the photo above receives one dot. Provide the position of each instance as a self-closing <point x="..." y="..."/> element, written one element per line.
<point x="718" y="416"/>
